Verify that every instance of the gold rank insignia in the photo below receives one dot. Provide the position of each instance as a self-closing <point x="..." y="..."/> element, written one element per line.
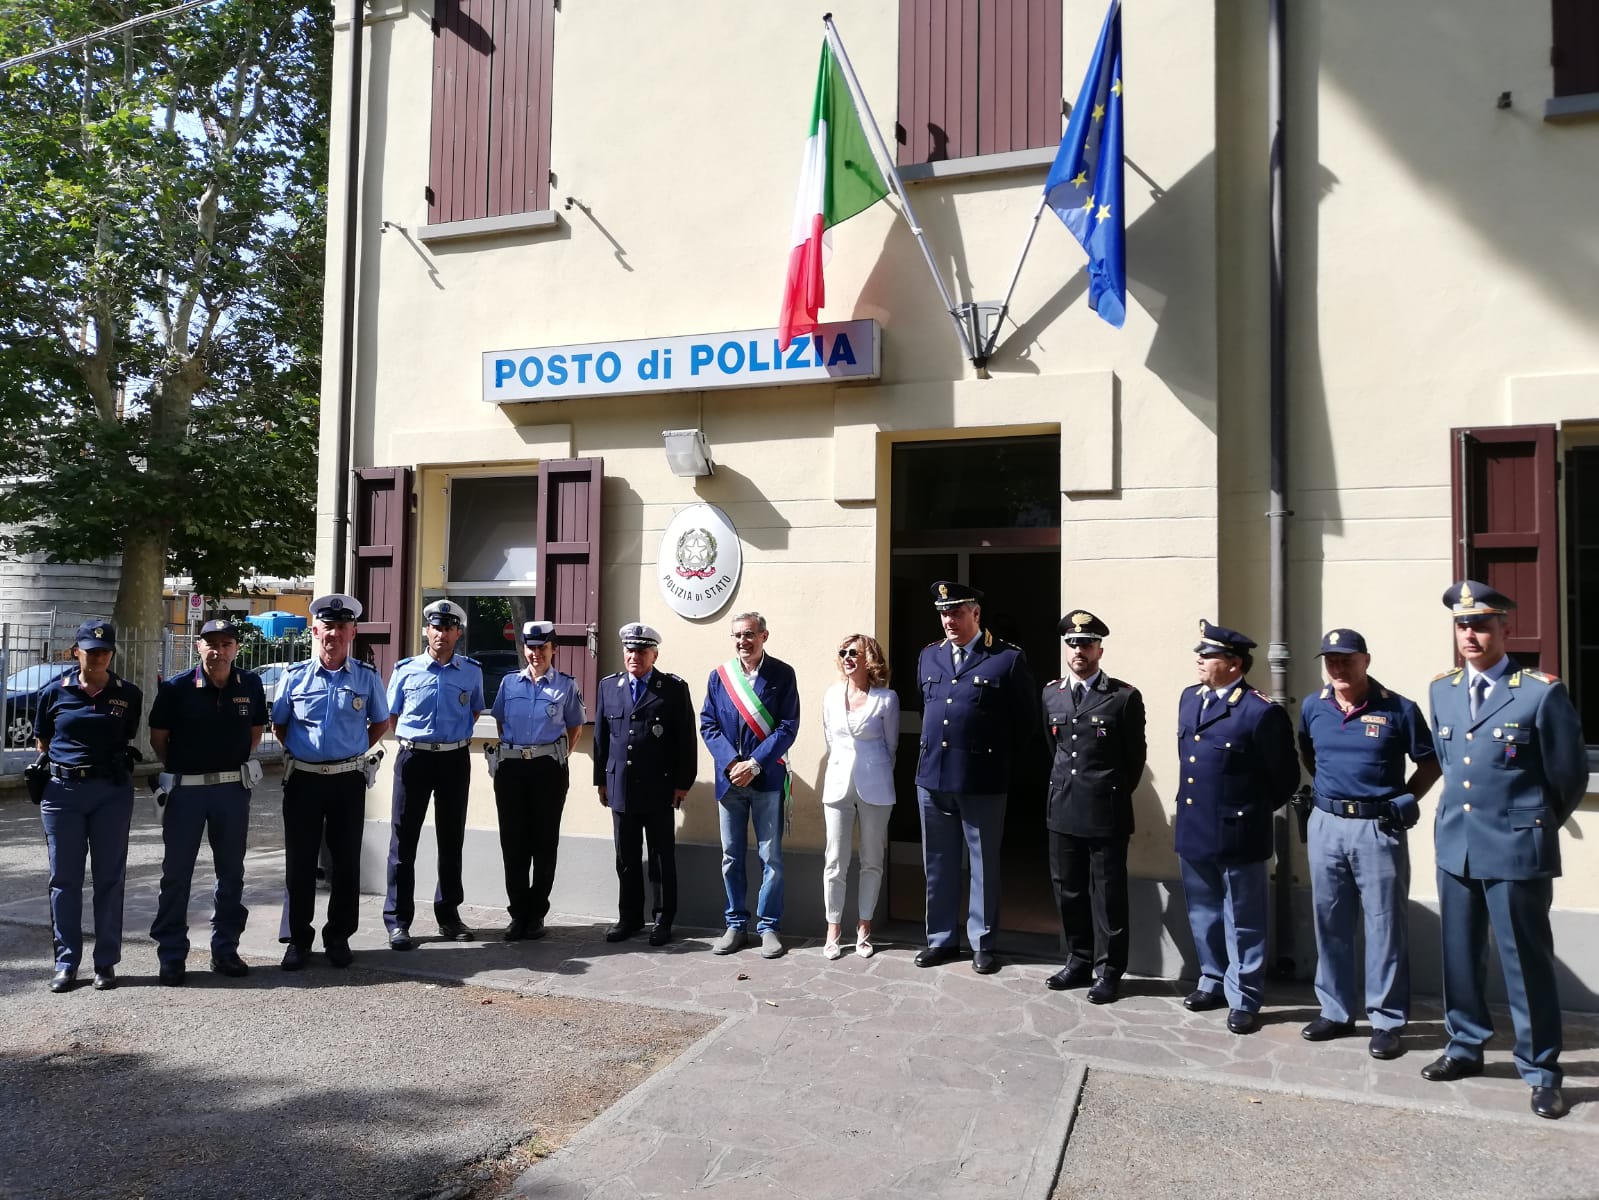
<point x="1237" y="692"/>
<point x="1080" y="620"/>
<point x="1201" y="626"/>
<point x="943" y="591"/>
<point x="1465" y="595"/>
<point x="1333" y="637"/>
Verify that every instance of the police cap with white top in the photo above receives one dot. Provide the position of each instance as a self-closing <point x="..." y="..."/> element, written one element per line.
<point x="1218" y="639"/>
<point x="1468" y="599"/>
<point x="337" y="607"/>
<point x="538" y="633"/>
<point x="444" y="614"/>
<point x="636" y="635"/>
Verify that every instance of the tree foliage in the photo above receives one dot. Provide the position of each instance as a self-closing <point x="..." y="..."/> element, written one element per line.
<point x="162" y="210"/>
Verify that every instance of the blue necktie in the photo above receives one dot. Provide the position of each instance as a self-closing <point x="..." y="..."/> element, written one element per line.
<point x="1479" y="685"/>
<point x="638" y="686"/>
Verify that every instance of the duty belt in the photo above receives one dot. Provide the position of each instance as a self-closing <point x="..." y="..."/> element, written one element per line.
<point x="1368" y="810"/>
<point x="57" y="771"/>
<point x="555" y="750"/>
<point x="341" y="767"/>
<point x="433" y="747"/>
<point x="210" y="778"/>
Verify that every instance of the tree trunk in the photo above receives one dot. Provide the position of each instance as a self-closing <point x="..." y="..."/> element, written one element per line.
<point x="139" y="617"/>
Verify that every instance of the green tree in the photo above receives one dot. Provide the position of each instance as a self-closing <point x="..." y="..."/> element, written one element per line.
<point x="162" y="214"/>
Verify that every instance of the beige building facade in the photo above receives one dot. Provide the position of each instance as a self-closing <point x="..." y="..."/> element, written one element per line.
<point x="1441" y="274"/>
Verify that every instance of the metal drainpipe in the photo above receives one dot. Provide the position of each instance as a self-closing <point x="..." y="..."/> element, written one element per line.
<point x="352" y="226"/>
<point x="1277" y="653"/>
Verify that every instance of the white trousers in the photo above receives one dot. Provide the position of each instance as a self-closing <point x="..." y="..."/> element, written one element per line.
<point x="840" y="817"/>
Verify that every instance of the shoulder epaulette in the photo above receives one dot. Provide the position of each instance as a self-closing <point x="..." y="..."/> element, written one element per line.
<point x="679" y="678"/>
<point x="403" y="661"/>
<point x="1263" y="695"/>
<point x="1540" y="676"/>
<point x="470" y="661"/>
<point x="1053" y="682"/>
<point x="1455" y="671"/>
<point x="364" y="663"/>
<point x="936" y="642"/>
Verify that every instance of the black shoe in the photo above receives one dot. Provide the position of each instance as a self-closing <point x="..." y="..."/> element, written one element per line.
<point x="1105" y="990"/>
<point x="339" y="953"/>
<point x="400" y="938"/>
<point x="1548" y="1102"/>
<point x="934" y="955"/>
<point x="229" y="964"/>
<point x="1199" y="1000"/>
<point x="516" y="930"/>
<point x="660" y="934"/>
<point x="64" y="980"/>
<point x="1242" y="1021"/>
<point x="1445" y="1069"/>
<point x="294" y="957"/>
<point x="454" y="931"/>
<point x="535" y="931"/>
<point x="105" y="978"/>
<point x="1385" y="1044"/>
<point x="621" y="931"/>
<point x="984" y="963"/>
<point x="1324" y="1030"/>
<point x="172" y="974"/>
<point x="1074" y="975"/>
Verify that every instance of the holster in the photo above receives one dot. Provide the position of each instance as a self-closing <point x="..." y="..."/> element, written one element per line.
<point x="491" y="754"/>
<point x="160" y="793"/>
<point x="250" y="773"/>
<point x="369" y="766"/>
<point x="1303" y="801"/>
<point x="36" y="775"/>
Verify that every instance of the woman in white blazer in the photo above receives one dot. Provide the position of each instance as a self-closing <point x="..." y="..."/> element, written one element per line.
<point x="860" y="720"/>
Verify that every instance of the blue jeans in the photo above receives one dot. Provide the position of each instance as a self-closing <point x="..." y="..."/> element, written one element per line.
<point x="737" y="808"/>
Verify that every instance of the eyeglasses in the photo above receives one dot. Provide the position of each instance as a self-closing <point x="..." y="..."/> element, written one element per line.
<point x="849" y="653"/>
<point x="1075" y="642"/>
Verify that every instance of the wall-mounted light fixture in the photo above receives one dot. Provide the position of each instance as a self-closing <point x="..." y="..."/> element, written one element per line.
<point x="687" y="452"/>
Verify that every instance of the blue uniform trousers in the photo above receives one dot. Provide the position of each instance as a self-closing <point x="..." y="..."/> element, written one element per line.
<point x="222" y="811"/>
<point x="1227" y="914"/>
<point x="629" y="830"/>
<point x="738" y="808"/>
<point x="951" y="820"/>
<point x="314" y="807"/>
<point x="418" y="777"/>
<point x="1518" y="911"/>
<point x="1355" y="867"/>
<point x="87" y="817"/>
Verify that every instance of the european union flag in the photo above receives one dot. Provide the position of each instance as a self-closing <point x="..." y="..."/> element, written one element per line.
<point x="1085" y="184"/>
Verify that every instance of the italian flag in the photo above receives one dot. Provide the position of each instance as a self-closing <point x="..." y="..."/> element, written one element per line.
<point x="838" y="178"/>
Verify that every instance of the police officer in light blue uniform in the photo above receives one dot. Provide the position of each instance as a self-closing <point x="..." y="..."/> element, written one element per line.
<point x="539" y="713"/>
<point x="204" y="725"/>
<point x="1354" y="738"/>
<point x="86" y="720"/>
<point x="1515" y="768"/>
<point x="434" y="700"/>
<point x="979" y="706"/>
<point x="331" y="712"/>
<point x="1236" y="763"/>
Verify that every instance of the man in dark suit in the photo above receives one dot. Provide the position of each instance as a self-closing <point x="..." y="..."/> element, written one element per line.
<point x="1094" y="726"/>
<point x="1514" y="768"/>
<point x="749" y="720"/>
<point x="979" y="705"/>
<point x="1237" y="766"/>
<point x="645" y="760"/>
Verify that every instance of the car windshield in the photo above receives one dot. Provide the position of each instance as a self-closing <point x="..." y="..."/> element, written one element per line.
<point x="31" y="679"/>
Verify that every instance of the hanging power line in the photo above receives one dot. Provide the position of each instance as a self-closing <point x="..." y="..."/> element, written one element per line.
<point x="34" y="55"/>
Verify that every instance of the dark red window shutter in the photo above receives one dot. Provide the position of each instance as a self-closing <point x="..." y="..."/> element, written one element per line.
<point x="380" y="580"/>
<point x="489" y="153"/>
<point x="1507" y="530"/>
<point x="977" y="77"/>
<point x="569" y="565"/>
<point x="1575" y="50"/>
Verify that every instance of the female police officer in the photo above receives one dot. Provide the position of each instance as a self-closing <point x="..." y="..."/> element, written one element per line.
<point x="87" y="719"/>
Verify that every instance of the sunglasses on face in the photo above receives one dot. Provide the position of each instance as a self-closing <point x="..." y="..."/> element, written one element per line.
<point x="1077" y="642"/>
<point x="849" y="653"/>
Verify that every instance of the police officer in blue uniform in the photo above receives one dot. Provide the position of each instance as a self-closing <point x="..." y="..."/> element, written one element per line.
<point x="539" y="713"/>
<point x="204" y="725"/>
<point x="1354" y="738"/>
<point x="1094" y="726"/>
<point x="87" y="718"/>
<point x="434" y="700"/>
<point x="645" y="760"/>
<point x="331" y="712"/>
<point x="979" y="707"/>
<point x="1515" y="768"/>
<point x="1237" y="767"/>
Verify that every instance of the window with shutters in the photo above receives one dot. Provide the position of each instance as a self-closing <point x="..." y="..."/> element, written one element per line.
<point x="977" y="77"/>
<point x="489" y="157"/>
<point x="1574" y="52"/>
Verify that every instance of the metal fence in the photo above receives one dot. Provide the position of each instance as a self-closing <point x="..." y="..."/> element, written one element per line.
<point x="31" y="655"/>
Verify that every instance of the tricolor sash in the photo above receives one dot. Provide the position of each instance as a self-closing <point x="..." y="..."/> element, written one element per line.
<point x="759" y="719"/>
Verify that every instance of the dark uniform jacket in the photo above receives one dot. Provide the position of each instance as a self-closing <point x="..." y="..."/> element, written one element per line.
<point x="973" y="719"/>
<point x="1235" y="768"/>
<point x="643" y="753"/>
<point x="1098" y="754"/>
<point x="1512" y="777"/>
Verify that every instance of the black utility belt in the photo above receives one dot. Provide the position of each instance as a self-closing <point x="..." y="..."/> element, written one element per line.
<point x="1359" y="810"/>
<point x="57" y="771"/>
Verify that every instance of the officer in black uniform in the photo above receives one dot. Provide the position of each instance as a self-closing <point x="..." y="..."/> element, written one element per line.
<point x="204" y="725"/>
<point x="646" y="756"/>
<point x="1094" y="725"/>
<point x="979" y="705"/>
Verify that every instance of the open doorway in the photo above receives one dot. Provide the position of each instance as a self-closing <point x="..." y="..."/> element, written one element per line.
<point x="984" y="512"/>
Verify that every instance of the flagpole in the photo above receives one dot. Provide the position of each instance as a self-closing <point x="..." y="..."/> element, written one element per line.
<point x="1004" y="305"/>
<point x="884" y="164"/>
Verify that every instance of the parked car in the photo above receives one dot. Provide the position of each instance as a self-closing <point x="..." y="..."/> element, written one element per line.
<point x="272" y="677"/>
<point x="22" y="702"/>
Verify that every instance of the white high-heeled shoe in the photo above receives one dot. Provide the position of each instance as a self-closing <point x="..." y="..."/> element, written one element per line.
<point x="831" y="951"/>
<point x="863" y="945"/>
